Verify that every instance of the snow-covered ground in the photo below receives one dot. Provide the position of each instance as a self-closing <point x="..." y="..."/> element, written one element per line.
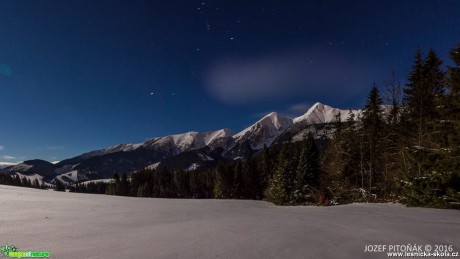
<point x="72" y="225"/>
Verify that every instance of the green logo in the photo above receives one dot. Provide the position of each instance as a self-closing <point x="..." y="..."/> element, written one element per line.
<point x="13" y="252"/>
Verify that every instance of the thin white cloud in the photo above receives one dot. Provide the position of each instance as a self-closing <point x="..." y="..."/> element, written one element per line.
<point x="313" y="73"/>
<point x="2" y="148"/>
<point x="6" y="164"/>
<point x="7" y="157"/>
<point x="299" y="108"/>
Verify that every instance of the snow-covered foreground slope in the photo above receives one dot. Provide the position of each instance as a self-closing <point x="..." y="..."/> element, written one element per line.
<point x="97" y="226"/>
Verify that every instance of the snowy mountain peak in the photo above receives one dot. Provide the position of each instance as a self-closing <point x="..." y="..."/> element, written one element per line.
<point x="271" y="115"/>
<point x="321" y="113"/>
<point x="274" y="119"/>
<point x="264" y="131"/>
<point x="318" y="105"/>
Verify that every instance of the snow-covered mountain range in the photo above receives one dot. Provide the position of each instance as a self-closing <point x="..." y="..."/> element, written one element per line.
<point x="177" y="143"/>
<point x="188" y="150"/>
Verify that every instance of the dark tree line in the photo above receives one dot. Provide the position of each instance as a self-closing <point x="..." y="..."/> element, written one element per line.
<point x="20" y="181"/>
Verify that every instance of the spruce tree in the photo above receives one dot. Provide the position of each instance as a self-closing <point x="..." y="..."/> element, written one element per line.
<point x="36" y="184"/>
<point x="373" y="113"/>
<point x="452" y="111"/>
<point x="250" y="179"/>
<point x="142" y="190"/>
<point x="422" y="95"/>
<point x="453" y="80"/>
<point x="59" y="186"/>
<point x="220" y="185"/>
<point x="265" y="171"/>
<point x="116" y="184"/>
<point x="237" y="184"/>
<point x="181" y="182"/>
<point x="338" y="123"/>
<point x="277" y="191"/>
<point x="435" y="79"/>
<point x="308" y="171"/>
<point x="350" y="151"/>
<point x="415" y="99"/>
<point x="282" y="186"/>
<point x="413" y="95"/>
<point x="23" y="181"/>
<point x="16" y="180"/>
<point x="434" y="75"/>
<point x="372" y="125"/>
<point x="123" y="188"/>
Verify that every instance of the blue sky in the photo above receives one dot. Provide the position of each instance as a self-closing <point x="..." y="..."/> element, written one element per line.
<point x="82" y="75"/>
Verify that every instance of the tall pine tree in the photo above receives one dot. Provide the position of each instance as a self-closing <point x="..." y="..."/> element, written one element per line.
<point x="308" y="172"/>
<point x="282" y="186"/>
<point x="422" y="95"/>
<point x="372" y="125"/>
